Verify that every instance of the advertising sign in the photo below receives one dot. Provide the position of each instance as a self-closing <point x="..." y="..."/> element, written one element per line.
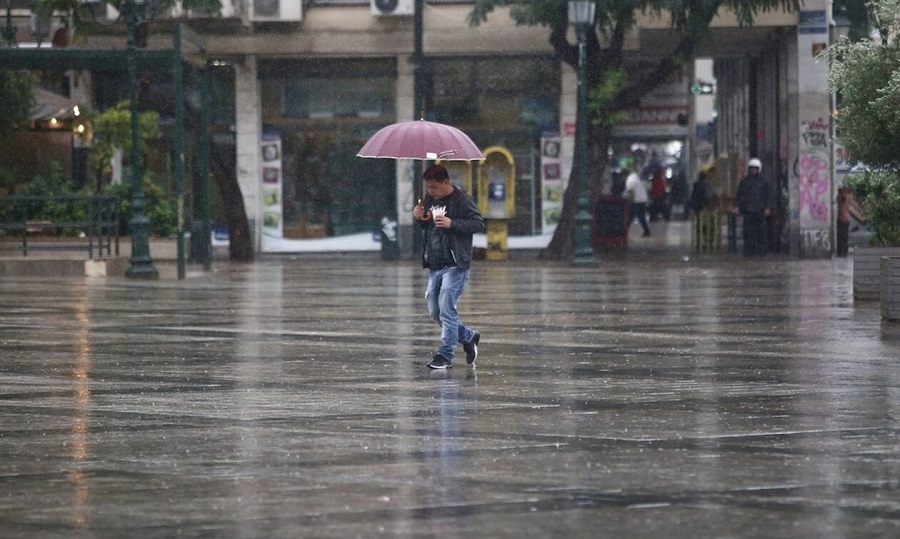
<point x="552" y="184"/>
<point x="272" y="217"/>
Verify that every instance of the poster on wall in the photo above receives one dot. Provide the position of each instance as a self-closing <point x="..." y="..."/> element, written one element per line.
<point x="272" y="219"/>
<point x="552" y="185"/>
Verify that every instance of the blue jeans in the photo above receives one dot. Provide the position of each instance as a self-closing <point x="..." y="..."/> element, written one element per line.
<point x="445" y="286"/>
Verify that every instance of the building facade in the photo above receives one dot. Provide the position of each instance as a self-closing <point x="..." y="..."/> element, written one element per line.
<point x="311" y="81"/>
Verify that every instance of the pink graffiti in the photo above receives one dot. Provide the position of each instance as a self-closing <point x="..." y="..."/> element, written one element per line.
<point x="819" y="211"/>
<point x="815" y="125"/>
<point x="813" y="176"/>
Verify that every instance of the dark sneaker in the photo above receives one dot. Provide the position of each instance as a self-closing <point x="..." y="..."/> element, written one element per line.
<point x="439" y="362"/>
<point x="471" y="348"/>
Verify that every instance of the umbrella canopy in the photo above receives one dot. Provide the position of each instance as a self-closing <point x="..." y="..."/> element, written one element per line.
<point x="421" y="139"/>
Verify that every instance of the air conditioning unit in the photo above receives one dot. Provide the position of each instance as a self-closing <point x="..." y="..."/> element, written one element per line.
<point x="392" y="7"/>
<point x="276" y="10"/>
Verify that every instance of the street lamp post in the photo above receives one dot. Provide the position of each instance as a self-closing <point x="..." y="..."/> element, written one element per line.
<point x="581" y="14"/>
<point x="9" y="31"/>
<point x="141" y="265"/>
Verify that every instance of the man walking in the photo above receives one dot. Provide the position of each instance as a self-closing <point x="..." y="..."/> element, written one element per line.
<point x="449" y="223"/>
<point x="753" y="200"/>
<point x="636" y="192"/>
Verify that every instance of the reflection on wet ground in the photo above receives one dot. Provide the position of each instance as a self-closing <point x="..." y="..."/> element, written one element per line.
<point x="649" y="396"/>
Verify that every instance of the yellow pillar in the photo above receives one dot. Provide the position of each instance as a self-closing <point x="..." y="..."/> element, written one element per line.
<point x="497" y="235"/>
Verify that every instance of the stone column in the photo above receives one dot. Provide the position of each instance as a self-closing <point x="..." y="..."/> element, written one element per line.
<point x="809" y="144"/>
<point x="406" y="193"/>
<point x="248" y="133"/>
<point x="568" y="114"/>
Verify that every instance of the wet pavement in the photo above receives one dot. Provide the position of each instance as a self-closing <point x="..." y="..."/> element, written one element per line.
<point x="649" y="396"/>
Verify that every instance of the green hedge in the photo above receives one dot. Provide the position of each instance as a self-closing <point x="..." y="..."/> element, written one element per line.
<point x="161" y="208"/>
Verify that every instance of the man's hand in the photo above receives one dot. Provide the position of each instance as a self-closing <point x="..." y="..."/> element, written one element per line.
<point x="420" y="213"/>
<point x="442" y="221"/>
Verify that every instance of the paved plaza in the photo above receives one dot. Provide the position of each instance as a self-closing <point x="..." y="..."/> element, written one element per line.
<point x="658" y="394"/>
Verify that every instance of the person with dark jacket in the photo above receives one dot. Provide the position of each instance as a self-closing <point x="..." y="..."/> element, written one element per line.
<point x="448" y="224"/>
<point x="753" y="201"/>
<point x="702" y="193"/>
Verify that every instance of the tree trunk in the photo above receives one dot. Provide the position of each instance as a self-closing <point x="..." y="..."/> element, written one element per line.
<point x="240" y="244"/>
<point x="561" y="246"/>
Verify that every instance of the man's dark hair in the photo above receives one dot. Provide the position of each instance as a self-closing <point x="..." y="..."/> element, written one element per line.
<point x="436" y="172"/>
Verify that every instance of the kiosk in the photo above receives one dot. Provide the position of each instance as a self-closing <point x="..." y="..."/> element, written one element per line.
<point x="611" y="222"/>
<point x="497" y="198"/>
<point x="460" y="174"/>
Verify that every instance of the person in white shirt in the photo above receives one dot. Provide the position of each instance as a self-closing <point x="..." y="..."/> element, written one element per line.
<point x="636" y="192"/>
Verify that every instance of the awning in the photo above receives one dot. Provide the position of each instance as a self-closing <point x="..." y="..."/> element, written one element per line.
<point x="49" y="105"/>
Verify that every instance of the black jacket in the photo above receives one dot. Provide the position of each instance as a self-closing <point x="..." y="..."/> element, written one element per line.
<point x="444" y="248"/>
<point x="753" y="195"/>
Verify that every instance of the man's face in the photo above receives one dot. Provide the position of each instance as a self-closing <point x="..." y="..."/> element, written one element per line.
<point x="438" y="188"/>
<point x="754" y="171"/>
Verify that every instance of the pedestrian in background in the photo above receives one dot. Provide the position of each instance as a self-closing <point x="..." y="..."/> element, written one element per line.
<point x="448" y="224"/>
<point x="753" y="201"/>
<point x="658" y="203"/>
<point x="636" y="192"/>
<point x="702" y="192"/>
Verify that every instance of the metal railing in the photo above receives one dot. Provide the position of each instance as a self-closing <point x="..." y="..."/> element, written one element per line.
<point x="62" y="222"/>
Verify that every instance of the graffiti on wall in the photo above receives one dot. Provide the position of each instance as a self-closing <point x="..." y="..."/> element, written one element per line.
<point x="815" y="241"/>
<point x="813" y="171"/>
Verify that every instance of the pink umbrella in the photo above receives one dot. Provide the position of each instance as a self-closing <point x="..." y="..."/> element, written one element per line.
<point x="421" y="140"/>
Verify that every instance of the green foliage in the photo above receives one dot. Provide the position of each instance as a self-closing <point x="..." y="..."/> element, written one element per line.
<point x="8" y="181"/>
<point x="16" y="100"/>
<point x="553" y="13"/>
<point x="879" y="194"/>
<point x="160" y="207"/>
<point x="55" y="184"/>
<point x="601" y="98"/>
<point x="47" y="210"/>
<point x="614" y="88"/>
<point x="866" y="75"/>
<point x="112" y="129"/>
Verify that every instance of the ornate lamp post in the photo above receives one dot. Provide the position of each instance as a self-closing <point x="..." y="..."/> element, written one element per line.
<point x="418" y="106"/>
<point x="581" y="14"/>
<point x="141" y="264"/>
<point x="9" y="31"/>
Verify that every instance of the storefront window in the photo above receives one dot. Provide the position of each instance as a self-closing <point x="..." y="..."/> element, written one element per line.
<point x="323" y="111"/>
<point x="337" y="98"/>
<point x="506" y="101"/>
<point x="495" y="93"/>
